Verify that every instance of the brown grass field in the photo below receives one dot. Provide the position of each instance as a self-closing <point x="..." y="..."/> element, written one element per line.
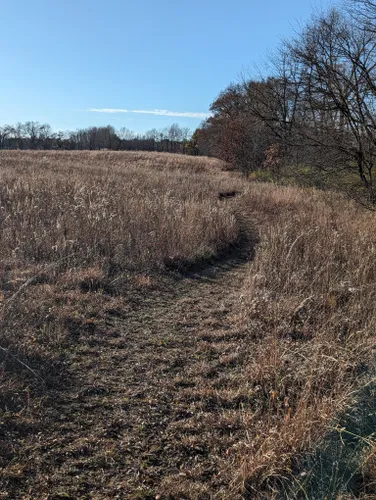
<point x="159" y="340"/>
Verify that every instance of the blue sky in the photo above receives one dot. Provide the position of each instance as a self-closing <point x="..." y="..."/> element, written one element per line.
<point x="61" y="58"/>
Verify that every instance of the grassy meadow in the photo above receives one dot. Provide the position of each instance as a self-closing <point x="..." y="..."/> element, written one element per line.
<point x="308" y="306"/>
<point x="132" y="211"/>
<point x="85" y="235"/>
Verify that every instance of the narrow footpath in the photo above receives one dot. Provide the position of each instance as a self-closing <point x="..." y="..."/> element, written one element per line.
<point x="156" y="407"/>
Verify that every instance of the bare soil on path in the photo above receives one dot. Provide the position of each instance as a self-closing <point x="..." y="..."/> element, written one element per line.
<point x="152" y="406"/>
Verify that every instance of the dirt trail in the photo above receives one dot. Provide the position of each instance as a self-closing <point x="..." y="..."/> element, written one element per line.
<point x="155" y="404"/>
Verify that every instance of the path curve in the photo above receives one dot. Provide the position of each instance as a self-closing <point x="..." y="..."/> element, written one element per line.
<point x="156" y="409"/>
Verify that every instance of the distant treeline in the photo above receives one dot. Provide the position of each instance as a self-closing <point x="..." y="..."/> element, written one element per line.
<point x="34" y="135"/>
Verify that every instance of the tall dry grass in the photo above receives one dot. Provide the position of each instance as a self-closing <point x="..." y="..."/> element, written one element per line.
<point x="118" y="211"/>
<point x="92" y="221"/>
<point x="73" y="222"/>
<point x="309" y="307"/>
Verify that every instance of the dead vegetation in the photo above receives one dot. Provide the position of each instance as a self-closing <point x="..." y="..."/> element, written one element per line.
<point x="80" y="231"/>
<point x="309" y="309"/>
<point x="114" y="211"/>
<point x="73" y="223"/>
<point x="235" y="379"/>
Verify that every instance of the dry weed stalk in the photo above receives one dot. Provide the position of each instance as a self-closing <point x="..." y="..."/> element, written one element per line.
<point x="309" y="307"/>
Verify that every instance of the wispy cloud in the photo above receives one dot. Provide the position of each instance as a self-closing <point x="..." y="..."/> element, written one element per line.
<point x="165" y="112"/>
<point x="107" y="110"/>
<point x="159" y="112"/>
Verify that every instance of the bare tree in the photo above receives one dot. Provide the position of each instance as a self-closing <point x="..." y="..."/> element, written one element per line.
<point x="5" y="132"/>
<point x="363" y="12"/>
<point x="152" y="134"/>
<point x="125" y="134"/>
<point x="320" y="102"/>
<point x="337" y="100"/>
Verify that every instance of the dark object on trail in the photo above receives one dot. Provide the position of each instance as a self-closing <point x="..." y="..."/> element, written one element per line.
<point x="227" y="194"/>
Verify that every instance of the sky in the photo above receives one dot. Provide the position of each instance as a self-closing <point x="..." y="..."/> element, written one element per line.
<point x="138" y="64"/>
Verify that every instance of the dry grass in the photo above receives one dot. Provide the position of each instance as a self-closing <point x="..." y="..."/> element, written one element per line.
<point x="112" y="210"/>
<point x="309" y="307"/>
<point x="264" y="367"/>
<point x="78" y="229"/>
<point x="89" y="221"/>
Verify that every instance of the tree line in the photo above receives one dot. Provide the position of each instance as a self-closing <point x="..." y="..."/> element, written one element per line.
<point x="316" y="109"/>
<point x="35" y="135"/>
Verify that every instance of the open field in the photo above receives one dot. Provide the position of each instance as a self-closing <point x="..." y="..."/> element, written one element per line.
<point x="159" y="340"/>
